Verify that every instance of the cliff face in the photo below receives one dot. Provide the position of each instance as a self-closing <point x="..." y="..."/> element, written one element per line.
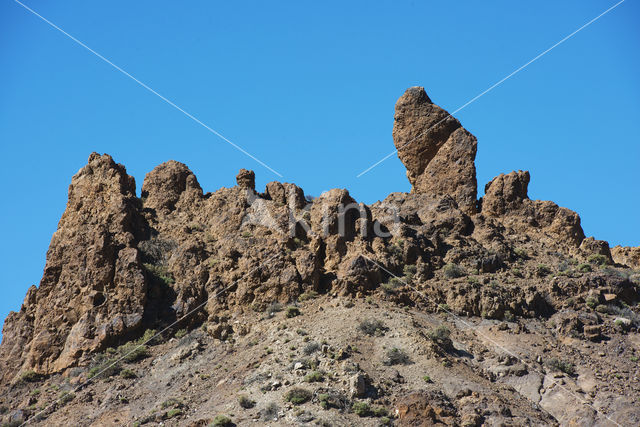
<point x="93" y="290"/>
<point x="119" y="264"/>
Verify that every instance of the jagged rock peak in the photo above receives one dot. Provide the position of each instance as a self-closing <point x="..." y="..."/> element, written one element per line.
<point x="165" y="184"/>
<point x="246" y="179"/>
<point x="437" y="151"/>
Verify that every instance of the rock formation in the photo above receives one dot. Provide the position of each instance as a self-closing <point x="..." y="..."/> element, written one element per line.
<point x="180" y="258"/>
<point x="94" y="287"/>
<point x="438" y="152"/>
<point x="506" y="197"/>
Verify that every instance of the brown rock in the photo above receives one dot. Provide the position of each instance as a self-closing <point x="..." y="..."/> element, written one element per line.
<point x="246" y="179"/>
<point x="166" y="184"/>
<point x="591" y="246"/>
<point x="626" y="255"/>
<point x="506" y="198"/>
<point x="592" y="332"/>
<point x="438" y="152"/>
<point x="93" y="289"/>
<point x="505" y="193"/>
<point x="286" y="194"/>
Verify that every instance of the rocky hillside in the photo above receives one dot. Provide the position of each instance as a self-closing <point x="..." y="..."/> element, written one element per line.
<point x="181" y="307"/>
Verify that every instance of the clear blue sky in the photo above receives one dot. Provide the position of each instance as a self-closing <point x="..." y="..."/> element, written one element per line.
<point x="309" y="88"/>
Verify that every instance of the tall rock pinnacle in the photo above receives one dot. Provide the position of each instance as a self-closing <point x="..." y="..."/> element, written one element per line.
<point x="437" y="151"/>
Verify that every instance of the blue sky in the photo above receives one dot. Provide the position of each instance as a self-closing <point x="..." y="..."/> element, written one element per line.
<point x="309" y="88"/>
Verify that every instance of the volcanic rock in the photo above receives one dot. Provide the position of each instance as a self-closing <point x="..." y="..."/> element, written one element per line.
<point x="438" y="152"/>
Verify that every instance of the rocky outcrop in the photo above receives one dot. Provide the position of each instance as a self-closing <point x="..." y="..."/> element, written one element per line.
<point x="164" y="186"/>
<point x="626" y="255"/>
<point x="506" y="193"/>
<point x="506" y="197"/>
<point x="94" y="288"/>
<point x="438" y="152"/>
<point x="119" y="264"/>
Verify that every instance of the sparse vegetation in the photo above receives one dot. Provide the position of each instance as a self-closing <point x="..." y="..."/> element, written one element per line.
<point x="441" y="336"/>
<point x="409" y="271"/>
<point x="29" y="377"/>
<point x="453" y="271"/>
<point x="585" y="268"/>
<point x="172" y="413"/>
<point x="444" y="308"/>
<point x="314" y="377"/>
<point x="543" y="270"/>
<point x="392" y="285"/>
<point x="591" y="302"/>
<point x="562" y="366"/>
<point x="309" y="295"/>
<point x="181" y="333"/>
<point x="598" y="259"/>
<point x="521" y="253"/>
<point x="171" y="403"/>
<point x="128" y="374"/>
<point x="361" y="409"/>
<point x="160" y="272"/>
<point x="132" y="351"/>
<point x="311" y="348"/>
<point x="269" y="412"/>
<point x="396" y="356"/>
<point x="222" y="421"/>
<point x="298" y="396"/>
<point x="372" y="327"/>
<point x="427" y="379"/>
<point x="245" y="402"/>
<point x="292" y="311"/>
<point x="65" y="397"/>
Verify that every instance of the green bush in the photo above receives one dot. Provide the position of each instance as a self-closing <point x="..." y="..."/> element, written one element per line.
<point x="372" y="327"/>
<point x="543" y="270"/>
<point x="128" y="374"/>
<point x="396" y="356"/>
<point x="521" y="253"/>
<point x="591" y="302"/>
<point x="439" y="334"/>
<point x="222" y="421"/>
<point x="181" y="333"/>
<point x="409" y="271"/>
<point x="453" y="271"/>
<point x="361" y="409"/>
<point x="132" y="351"/>
<point x="245" y="402"/>
<point x="29" y="377"/>
<point x="104" y="366"/>
<point x="66" y="397"/>
<point x="298" y="396"/>
<point x="160" y="272"/>
<point x="174" y="413"/>
<point x="585" y="268"/>
<point x="598" y="259"/>
<point x="311" y="348"/>
<point x="314" y="377"/>
<point x="293" y="311"/>
<point x="309" y="295"/>
<point x="562" y="366"/>
<point x="427" y="379"/>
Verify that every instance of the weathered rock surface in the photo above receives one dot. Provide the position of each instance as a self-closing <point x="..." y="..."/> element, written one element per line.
<point x="506" y="197"/>
<point x="520" y="270"/>
<point x="626" y="255"/>
<point x="438" y="152"/>
<point x="94" y="288"/>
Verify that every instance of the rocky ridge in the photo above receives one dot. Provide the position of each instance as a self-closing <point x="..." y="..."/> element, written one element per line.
<point x="119" y="265"/>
